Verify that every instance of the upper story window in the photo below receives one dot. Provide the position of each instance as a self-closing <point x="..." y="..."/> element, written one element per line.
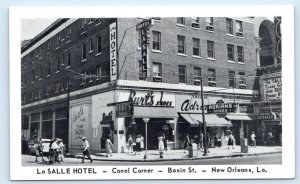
<point x="98" y="21"/>
<point x="242" y="80"/>
<point x="83" y="52"/>
<point x="49" y="46"/>
<point x="49" y="68"/>
<point x="91" y="46"/>
<point x="139" y="38"/>
<point x="182" y="73"/>
<point x="62" y="60"/>
<point x="90" y="20"/>
<point x="156" y="70"/>
<point x="209" y="23"/>
<point x="57" y="64"/>
<point x="230" y="52"/>
<point x="68" y="34"/>
<point x="83" y="25"/>
<point x="98" y="44"/>
<point x="32" y="56"/>
<point x="181" y="44"/>
<point x="195" y="22"/>
<point x="156" y="44"/>
<point x="196" y="47"/>
<point x="98" y="72"/>
<point x="181" y="21"/>
<point x="240" y="52"/>
<point x="212" y="77"/>
<point x="229" y="26"/>
<point x="231" y="79"/>
<point x="83" y="78"/>
<point x="239" y="28"/>
<point x="68" y="58"/>
<point x="141" y="70"/>
<point x="58" y="40"/>
<point x="210" y="49"/>
<point x="197" y="75"/>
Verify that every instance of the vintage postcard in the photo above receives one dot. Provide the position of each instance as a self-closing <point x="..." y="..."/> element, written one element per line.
<point x="116" y="93"/>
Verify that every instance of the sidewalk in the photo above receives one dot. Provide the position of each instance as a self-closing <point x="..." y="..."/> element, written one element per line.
<point x="172" y="155"/>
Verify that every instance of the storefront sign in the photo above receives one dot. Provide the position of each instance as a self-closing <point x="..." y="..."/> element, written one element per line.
<point x="106" y="119"/>
<point x="150" y="99"/>
<point x="267" y="116"/>
<point x="124" y="109"/>
<point x="145" y="24"/>
<point x="246" y="108"/>
<point x="273" y="89"/>
<point x="221" y="108"/>
<point x="144" y="49"/>
<point x="113" y="51"/>
<point x="79" y="123"/>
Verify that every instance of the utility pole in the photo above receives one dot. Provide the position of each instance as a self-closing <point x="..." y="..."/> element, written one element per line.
<point x="203" y="119"/>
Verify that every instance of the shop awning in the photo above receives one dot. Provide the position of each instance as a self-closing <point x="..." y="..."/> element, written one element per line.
<point x="212" y="120"/>
<point x="243" y="117"/>
<point x="154" y="112"/>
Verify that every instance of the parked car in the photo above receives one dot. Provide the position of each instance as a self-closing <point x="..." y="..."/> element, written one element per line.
<point x="33" y="145"/>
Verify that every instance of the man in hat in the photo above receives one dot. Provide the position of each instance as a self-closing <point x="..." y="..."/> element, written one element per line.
<point x="86" y="150"/>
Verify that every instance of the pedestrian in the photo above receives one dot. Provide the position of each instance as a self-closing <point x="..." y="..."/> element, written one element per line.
<point x="54" y="151"/>
<point x="253" y="139"/>
<point x="216" y="140"/>
<point x="165" y="142"/>
<point x="142" y="143"/>
<point x="86" y="147"/>
<point x="270" y="137"/>
<point x="130" y="144"/>
<point x="187" y="142"/>
<point x="138" y="144"/>
<point x="201" y="141"/>
<point x="108" y="147"/>
<point x="39" y="151"/>
<point x="161" y="146"/>
<point x="61" y="148"/>
<point x="230" y="140"/>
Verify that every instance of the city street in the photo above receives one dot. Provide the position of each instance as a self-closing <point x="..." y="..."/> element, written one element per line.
<point x="250" y="160"/>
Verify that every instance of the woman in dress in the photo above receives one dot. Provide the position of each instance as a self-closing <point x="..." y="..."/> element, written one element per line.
<point x="138" y="144"/>
<point x="142" y="143"/>
<point x="108" y="146"/>
<point x="161" y="146"/>
<point x="230" y="140"/>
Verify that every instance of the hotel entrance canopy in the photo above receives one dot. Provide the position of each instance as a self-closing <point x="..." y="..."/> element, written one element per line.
<point x="212" y="120"/>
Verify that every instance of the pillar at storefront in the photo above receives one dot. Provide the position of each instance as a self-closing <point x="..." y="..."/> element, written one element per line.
<point x="39" y="135"/>
<point x="119" y="136"/>
<point x="53" y="123"/>
<point x="29" y="126"/>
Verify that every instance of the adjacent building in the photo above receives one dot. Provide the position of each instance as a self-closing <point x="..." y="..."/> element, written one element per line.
<point x="115" y="77"/>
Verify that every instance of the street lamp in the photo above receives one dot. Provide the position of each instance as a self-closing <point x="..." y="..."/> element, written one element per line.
<point x="146" y="120"/>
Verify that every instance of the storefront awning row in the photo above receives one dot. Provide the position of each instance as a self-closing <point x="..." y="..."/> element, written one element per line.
<point x="154" y="112"/>
<point x="212" y="120"/>
<point x="243" y="117"/>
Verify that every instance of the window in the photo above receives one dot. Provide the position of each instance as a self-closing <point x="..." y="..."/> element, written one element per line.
<point x="139" y="38"/>
<point x="181" y="44"/>
<point x="68" y="34"/>
<point x="83" y="52"/>
<point x="232" y="79"/>
<point x="57" y="86"/>
<point x="83" y="25"/>
<point x="48" y="45"/>
<point x="57" y="63"/>
<point x="68" y="83"/>
<point x="156" y="40"/>
<point x="63" y="34"/>
<point x="68" y="58"/>
<point x="32" y="56"/>
<point x="196" y="47"/>
<point x="212" y="77"/>
<point x="197" y="75"/>
<point x="62" y="60"/>
<point x="83" y="78"/>
<point x="91" y="47"/>
<point x="33" y="75"/>
<point x="242" y="80"/>
<point x="90" y="20"/>
<point x="230" y="52"/>
<point x="98" y="21"/>
<point x="58" y="40"/>
<point x="99" y="72"/>
<point x="98" y="44"/>
<point x="91" y="76"/>
<point x="182" y="73"/>
<point x="181" y="20"/>
<point x="48" y="90"/>
<point x="156" y="69"/>
<point x="210" y="49"/>
<point x="140" y="70"/>
<point x="209" y="23"/>
<point x="229" y="26"/>
<point x="49" y="68"/>
<point x="41" y="72"/>
<point x="240" y="52"/>
<point x="195" y="22"/>
<point x="239" y="28"/>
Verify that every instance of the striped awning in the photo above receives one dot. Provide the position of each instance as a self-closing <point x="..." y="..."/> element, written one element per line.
<point x="212" y="120"/>
<point x="154" y="112"/>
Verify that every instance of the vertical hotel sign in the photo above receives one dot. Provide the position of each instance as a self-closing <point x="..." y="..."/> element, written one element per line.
<point x="113" y="51"/>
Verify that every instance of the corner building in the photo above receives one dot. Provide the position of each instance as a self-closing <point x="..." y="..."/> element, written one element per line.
<point x="77" y="82"/>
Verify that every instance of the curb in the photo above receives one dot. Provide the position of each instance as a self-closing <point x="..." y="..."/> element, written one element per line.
<point x="179" y="159"/>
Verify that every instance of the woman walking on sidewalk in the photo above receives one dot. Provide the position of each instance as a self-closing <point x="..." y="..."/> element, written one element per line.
<point x="231" y="140"/>
<point x="108" y="146"/>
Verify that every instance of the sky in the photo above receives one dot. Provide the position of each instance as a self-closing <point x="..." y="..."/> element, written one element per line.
<point x="32" y="27"/>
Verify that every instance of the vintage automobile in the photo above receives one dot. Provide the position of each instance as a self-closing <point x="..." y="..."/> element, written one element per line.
<point x="33" y="146"/>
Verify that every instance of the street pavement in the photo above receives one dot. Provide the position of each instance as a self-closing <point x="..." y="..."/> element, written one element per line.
<point x="172" y="155"/>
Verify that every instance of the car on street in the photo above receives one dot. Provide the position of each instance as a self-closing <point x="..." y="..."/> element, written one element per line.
<point x="33" y="146"/>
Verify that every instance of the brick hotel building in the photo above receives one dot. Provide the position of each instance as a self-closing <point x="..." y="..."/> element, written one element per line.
<point x="84" y="77"/>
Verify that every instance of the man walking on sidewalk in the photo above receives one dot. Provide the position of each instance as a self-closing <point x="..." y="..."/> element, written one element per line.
<point x="86" y="150"/>
<point x="253" y="139"/>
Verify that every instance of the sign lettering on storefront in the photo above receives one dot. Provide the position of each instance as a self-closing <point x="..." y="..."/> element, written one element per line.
<point x="246" y="108"/>
<point x="144" y="50"/>
<point x="221" y="108"/>
<point x="273" y="89"/>
<point x="124" y="109"/>
<point x="149" y="99"/>
<point x="79" y="123"/>
<point x="267" y="116"/>
<point x="113" y="51"/>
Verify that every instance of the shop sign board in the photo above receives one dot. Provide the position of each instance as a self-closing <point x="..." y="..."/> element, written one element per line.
<point x="124" y="109"/>
<point x="273" y="89"/>
<point x="145" y="24"/>
<point x="79" y="124"/>
<point x="113" y="51"/>
<point x="266" y="116"/>
<point x="221" y="108"/>
<point x="246" y="108"/>
<point x="151" y="98"/>
<point x="144" y="49"/>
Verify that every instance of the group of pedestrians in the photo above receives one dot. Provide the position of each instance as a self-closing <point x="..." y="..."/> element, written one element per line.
<point x="139" y="144"/>
<point x="54" y="154"/>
